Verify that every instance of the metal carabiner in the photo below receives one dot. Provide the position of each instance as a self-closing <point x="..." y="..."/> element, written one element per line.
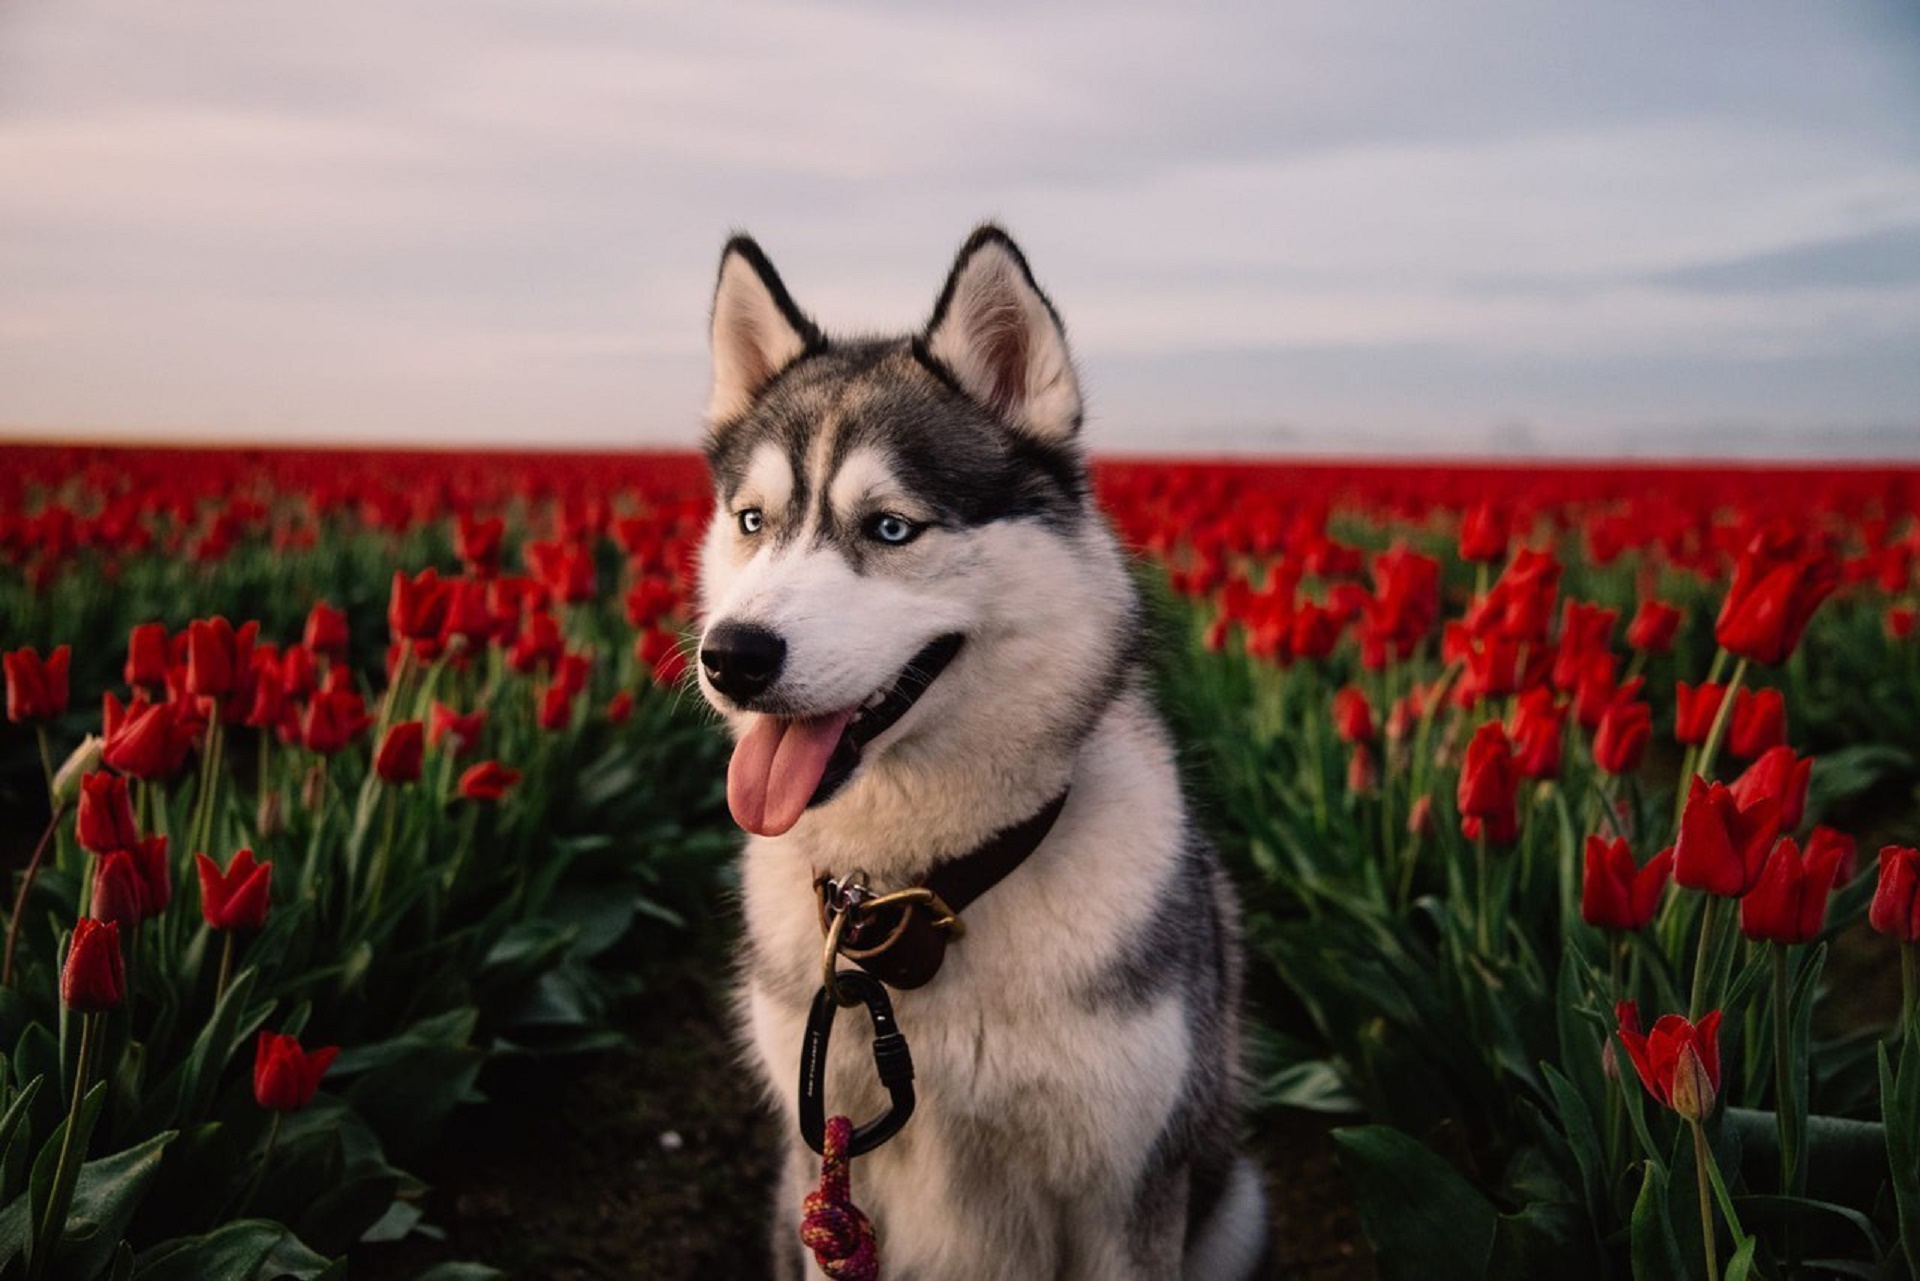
<point x="890" y="1059"/>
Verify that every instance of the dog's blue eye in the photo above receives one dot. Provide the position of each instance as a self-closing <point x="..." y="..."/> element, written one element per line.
<point x="750" y="520"/>
<point x="892" y="529"/>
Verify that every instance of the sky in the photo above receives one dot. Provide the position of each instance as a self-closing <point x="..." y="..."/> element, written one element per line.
<point x="1382" y="227"/>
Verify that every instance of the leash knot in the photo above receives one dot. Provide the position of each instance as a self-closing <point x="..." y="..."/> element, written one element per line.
<point x="840" y="1236"/>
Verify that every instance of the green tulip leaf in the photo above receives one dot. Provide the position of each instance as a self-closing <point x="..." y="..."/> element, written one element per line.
<point x="1421" y="1217"/>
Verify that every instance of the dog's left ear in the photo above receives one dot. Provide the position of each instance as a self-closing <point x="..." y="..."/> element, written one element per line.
<point x="997" y="334"/>
<point x="757" y="329"/>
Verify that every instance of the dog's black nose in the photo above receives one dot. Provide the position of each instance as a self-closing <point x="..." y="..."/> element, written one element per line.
<point x="741" y="660"/>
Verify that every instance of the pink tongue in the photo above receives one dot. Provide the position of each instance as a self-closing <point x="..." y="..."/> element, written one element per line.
<point x="776" y="768"/>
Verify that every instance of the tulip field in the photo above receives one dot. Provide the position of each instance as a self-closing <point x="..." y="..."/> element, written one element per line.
<point x="1574" y="811"/>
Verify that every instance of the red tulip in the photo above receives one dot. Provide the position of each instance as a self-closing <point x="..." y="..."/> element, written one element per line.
<point x="650" y="600"/>
<point x="1539" y="730"/>
<point x="477" y="543"/>
<point x="1845" y="861"/>
<point x="1362" y="775"/>
<point x="443" y="721"/>
<point x="572" y="671"/>
<point x="1694" y="712"/>
<point x="1789" y="902"/>
<point x="334" y="718"/>
<point x="238" y="898"/>
<point x="1775" y="590"/>
<point x="219" y="656"/>
<point x="1405" y="602"/>
<point x="1616" y="894"/>
<point x="299" y="673"/>
<point x="286" y="1076"/>
<point x="1598" y="689"/>
<point x="1723" y="844"/>
<point x="1759" y="723"/>
<point x="147" y="656"/>
<point x="326" y="631"/>
<point x="620" y="708"/>
<point x="36" y="687"/>
<point x="398" y="760"/>
<point x="556" y="709"/>
<point x="1781" y="775"/>
<point x="1352" y="715"/>
<point x="133" y="885"/>
<point x="417" y="609"/>
<point x="146" y="740"/>
<point x="1484" y="533"/>
<point x="566" y="569"/>
<point x="1621" y="740"/>
<point x="538" y="645"/>
<point x="1487" y="786"/>
<point x="1654" y="627"/>
<point x="106" y="819"/>
<point x="1896" y="899"/>
<point x="94" y="979"/>
<point x="1901" y="622"/>
<point x="469" y="616"/>
<point x="487" y="781"/>
<point x="1679" y="1063"/>
<point x="1585" y="630"/>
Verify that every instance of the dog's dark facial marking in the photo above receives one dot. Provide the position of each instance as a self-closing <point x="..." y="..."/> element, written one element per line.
<point x="945" y="450"/>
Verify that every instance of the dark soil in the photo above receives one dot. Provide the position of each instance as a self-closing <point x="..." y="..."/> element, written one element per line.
<point x="655" y="1162"/>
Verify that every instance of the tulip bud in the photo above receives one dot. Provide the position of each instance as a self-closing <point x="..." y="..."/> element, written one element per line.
<point x="118" y="893"/>
<point x="106" y="819"/>
<point x="238" y="898"/>
<point x="147" y="656"/>
<point x="94" y="978"/>
<point x="487" y="781"/>
<point x="1679" y="1062"/>
<point x="269" y="815"/>
<point x="285" y="1076"/>
<point x="81" y="761"/>
<point x="1693" y="1087"/>
<point x="1896" y="897"/>
<point x="398" y="760"/>
<point x="37" y="687"/>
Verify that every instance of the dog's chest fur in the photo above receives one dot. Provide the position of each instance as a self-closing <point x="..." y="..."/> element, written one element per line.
<point x="1055" y="1045"/>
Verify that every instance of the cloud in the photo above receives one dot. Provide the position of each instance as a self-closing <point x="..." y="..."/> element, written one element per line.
<point x="499" y="218"/>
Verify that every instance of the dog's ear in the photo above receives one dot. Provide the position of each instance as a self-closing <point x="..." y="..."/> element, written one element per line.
<point x="999" y="337"/>
<point x="757" y="329"/>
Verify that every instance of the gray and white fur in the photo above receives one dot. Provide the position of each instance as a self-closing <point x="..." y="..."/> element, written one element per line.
<point x="1078" y="1054"/>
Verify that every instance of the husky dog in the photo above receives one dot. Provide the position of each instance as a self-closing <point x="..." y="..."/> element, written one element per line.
<point x="922" y="633"/>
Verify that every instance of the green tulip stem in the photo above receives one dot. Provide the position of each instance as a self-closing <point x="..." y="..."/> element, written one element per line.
<point x="1483" y="929"/>
<point x="1691" y="758"/>
<point x="260" y="1171"/>
<point x="200" y="830"/>
<point x="26" y="888"/>
<point x="1721" y="718"/>
<point x="46" y="759"/>
<point x="226" y="966"/>
<point x="1703" y="1158"/>
<point x="1910" y="990"/>
<point x="1786" y="1110"/>
<point x="53" y="1225"/>
<point x="377" y="880"/>
<point x="402" y="670"/>
<point x="1703" y="959"/>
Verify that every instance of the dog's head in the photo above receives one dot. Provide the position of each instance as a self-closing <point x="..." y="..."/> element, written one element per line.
<point x="905" y="577"/>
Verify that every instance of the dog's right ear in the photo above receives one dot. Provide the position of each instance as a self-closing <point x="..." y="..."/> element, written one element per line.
<point x="757" y="329"/>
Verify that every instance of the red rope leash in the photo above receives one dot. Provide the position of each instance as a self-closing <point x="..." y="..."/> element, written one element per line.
<point x="833" y="1227"/>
